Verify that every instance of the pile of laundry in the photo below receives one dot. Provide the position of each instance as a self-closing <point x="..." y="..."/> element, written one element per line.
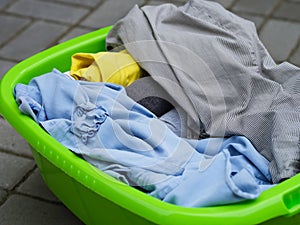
<point x="186" y="105"/>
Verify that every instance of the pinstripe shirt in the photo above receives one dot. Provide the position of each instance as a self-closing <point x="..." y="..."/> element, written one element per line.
<point x="217" y="71"/>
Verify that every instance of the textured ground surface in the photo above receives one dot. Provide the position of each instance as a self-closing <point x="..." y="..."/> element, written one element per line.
<point x="30" y="26"/>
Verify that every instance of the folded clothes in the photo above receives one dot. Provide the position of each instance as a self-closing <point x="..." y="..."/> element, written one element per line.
<point x="122" y="138"/>
<point x="115" y="67"/>
<point x="213" y="65"/>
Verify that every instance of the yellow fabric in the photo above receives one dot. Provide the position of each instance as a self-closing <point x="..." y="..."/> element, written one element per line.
<point x="114" y="67"/>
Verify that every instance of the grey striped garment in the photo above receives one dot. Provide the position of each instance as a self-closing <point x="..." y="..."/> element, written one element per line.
<point x="215" y="69"/>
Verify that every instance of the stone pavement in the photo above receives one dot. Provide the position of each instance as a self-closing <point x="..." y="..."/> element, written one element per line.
<point x="30" y="26"/>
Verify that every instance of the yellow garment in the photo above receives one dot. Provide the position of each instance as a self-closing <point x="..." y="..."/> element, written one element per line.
<point x="114" y="67"/>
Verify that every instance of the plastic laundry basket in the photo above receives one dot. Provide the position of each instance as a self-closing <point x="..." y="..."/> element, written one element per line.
<point x="97" y="198"/>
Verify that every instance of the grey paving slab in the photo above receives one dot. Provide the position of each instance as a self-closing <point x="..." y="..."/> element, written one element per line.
<point x="5" y="66"/>
<point x="12" y="169"/>
<point x="289" y="10"/>
<point x="48" y="10"/>
<point x="280" y="37"/>
<point x="11" y="141"/>
<point x="159" y="2"/>
<point x="77" y="31"/>
<point x="109" y="12"/>
<point x="34" y="185"/>
<point x="225" y="3"/>
<point x="22" y="210"/>
<point x="258" y="20"/>
<point x="4" y="3"/>
<point x="10" y="25"/>
<point x="29" y="26"/>
<point x="262" y="7"/>
<point x="295" y="59"/>
<point x="34" y="39"/>
<point x="89" y="3"/>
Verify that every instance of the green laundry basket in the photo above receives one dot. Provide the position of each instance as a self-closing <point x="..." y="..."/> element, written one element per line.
<point x="95" y="197"/>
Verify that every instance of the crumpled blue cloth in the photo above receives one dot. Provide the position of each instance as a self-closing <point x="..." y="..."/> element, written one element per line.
<point x="124" y="139"/>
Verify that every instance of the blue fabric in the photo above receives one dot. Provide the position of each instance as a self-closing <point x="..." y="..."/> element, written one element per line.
<point x="173" y="121"/>
<point x="124" y="139"/>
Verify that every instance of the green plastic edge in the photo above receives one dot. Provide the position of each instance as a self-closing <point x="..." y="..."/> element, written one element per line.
<point x="279" y="200"/>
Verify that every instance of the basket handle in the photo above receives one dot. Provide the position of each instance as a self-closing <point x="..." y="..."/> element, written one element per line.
<point x="291" y="200"/>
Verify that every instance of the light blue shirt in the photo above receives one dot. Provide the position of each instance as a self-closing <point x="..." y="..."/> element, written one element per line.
<point x="124" y="139"/>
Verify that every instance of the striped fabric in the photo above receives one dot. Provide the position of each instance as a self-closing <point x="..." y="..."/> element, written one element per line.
<point x="213" y="65"/>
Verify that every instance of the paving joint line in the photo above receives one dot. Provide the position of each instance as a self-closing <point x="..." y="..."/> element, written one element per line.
<point x="24" y="178"/>
<point x="5" y="197"/>
<point x="269" y="15"/>
<point x="286" y="19"/>
<point x="57" y="2"/>
<point x="32" y="21"/>
<point x="36" y="18"/>
<point x="294" y="50"/>
<point x="15" y="154"/>
<point x="10" y="193"/>
<point x="17" y="33"/>
<point x="56" y="41"/>
<point x="13" y="190"/>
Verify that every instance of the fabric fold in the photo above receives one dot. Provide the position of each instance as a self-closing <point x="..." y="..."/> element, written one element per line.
<point x="213" y="65"/>
<point x="99" y="122"/>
